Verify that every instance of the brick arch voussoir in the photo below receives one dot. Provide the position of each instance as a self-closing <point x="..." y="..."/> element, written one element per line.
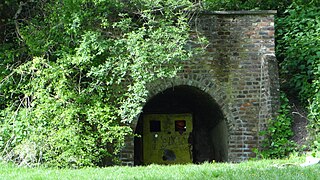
<point x="206" y="85"/>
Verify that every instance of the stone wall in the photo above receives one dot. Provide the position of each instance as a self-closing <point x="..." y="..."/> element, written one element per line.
<point x="238" y="70"/>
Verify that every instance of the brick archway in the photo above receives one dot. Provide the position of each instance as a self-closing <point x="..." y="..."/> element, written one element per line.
<point x="238" y="70"/>
<point x="210" y="130"/>
<point x="205" y="84"/>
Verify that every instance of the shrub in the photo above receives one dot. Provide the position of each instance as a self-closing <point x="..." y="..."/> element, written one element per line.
<point x="78" y="78"/>
<point x="298" y="45"/>
<point x="277" y="143"/>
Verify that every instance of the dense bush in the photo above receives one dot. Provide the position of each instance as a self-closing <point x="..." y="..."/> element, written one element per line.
<point x="298" y="40"/>
<point x="298" y="47"/>
<point x="74" y="75"/>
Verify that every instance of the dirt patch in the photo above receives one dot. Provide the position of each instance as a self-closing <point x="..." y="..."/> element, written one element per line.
<point x="300" y="122"/>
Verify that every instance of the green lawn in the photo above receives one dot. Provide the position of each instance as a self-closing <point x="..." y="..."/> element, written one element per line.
<point x="263" y="169"/>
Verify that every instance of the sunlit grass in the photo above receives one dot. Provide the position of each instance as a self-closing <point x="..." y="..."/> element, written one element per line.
<point x="262" y="169"/>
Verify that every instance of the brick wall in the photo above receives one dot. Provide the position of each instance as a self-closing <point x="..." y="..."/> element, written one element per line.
<point x="238" y="70"/>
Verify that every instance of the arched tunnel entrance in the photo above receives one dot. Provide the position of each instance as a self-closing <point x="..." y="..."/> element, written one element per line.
<point x="207" y="136"/>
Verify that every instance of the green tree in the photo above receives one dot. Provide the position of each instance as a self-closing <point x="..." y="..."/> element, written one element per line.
<point x="75" y="75"/>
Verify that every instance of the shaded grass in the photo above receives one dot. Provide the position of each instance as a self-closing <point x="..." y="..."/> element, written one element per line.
<point x="262" y="169"/>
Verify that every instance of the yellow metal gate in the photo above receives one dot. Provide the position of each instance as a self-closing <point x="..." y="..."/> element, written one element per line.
<point x="167" y="138"/>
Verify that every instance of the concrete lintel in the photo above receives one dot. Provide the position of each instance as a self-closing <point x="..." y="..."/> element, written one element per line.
<point x="255" y="12"/>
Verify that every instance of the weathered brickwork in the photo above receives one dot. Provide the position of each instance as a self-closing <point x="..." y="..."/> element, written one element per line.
<point x="238" y="70"/>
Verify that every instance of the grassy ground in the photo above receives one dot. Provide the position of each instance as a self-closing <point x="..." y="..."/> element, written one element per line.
<point x="262" y="169"/>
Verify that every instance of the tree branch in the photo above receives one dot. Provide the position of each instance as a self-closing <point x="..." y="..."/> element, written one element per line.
<point x="16" y="20"/>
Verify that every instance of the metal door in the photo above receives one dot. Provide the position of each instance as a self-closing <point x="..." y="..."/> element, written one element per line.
<point x="167" y="138"/>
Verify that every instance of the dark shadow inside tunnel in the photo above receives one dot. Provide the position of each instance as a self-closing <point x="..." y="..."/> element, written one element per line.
<point x="209" y="135"/>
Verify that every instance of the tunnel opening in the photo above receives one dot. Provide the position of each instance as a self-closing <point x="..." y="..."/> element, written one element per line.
<point x="208" y="139"/>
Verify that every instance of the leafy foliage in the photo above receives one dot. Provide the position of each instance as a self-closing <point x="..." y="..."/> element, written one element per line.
<point x="81" y="74"/>
<point x="278" y="133"/>
<point x="298" y="40"/>
<point x="246" y="4"/>
<point x="314" y="117"/>
<point x="298" y="46"/>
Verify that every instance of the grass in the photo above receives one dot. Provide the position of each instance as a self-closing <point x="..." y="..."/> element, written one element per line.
<point x="262" y="169"/>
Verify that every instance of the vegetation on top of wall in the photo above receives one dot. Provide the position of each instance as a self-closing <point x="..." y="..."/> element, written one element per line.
<point x="279" y="5"/>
